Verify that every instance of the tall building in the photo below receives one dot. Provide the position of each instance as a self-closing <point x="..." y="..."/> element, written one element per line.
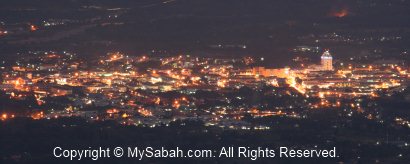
<point x="327" y="61"/>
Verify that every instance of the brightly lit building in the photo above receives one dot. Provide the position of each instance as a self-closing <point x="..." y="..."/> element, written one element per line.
<point x="327" y="61"/>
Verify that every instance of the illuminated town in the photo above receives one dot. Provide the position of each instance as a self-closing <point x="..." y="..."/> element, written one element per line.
<point x="154" y="91"/>
<point x="205" y="75"/>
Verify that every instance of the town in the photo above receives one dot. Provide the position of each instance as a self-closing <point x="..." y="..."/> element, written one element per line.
<point x="154" y="91"/>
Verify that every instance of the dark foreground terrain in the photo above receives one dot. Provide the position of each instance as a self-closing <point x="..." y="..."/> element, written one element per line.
<point x="357" y="141"/>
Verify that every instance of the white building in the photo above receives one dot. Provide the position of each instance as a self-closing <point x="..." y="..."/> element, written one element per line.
<point x="327" y="61"/>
